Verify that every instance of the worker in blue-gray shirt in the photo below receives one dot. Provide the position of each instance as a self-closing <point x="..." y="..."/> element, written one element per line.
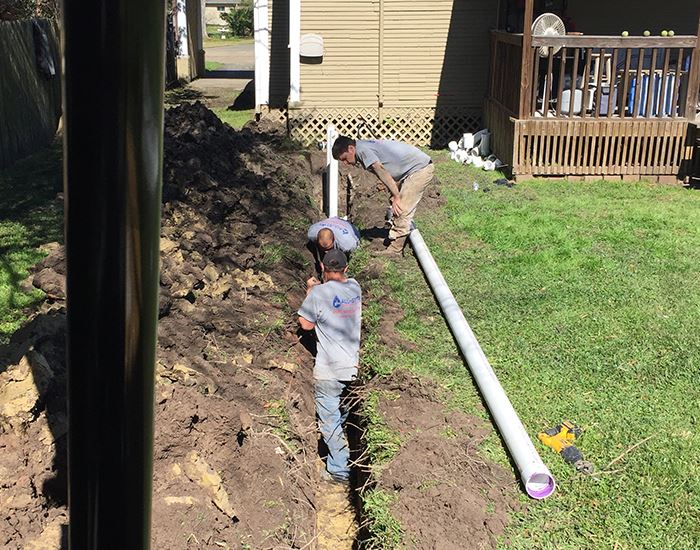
<point x="405" y="170"/>
<point x="332" y="233"/>
<point x="333" y="309"/>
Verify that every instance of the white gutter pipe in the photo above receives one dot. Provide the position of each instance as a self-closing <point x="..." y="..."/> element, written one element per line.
<point x="537" y="479"/>
<point x="331" y="173"/>
<point x="261" y="35"/>
<point x="294" y="61"/>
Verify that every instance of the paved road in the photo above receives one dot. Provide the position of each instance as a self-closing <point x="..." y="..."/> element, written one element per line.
<point x="239" y="57"/>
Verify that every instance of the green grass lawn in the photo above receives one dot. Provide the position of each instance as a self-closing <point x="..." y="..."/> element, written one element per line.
<point x="30" y="216"/>
<point x="585" y="299"/>
<point x="235" y="119"/>
<point x="214" y="39"/>
<point x="212" y="65"/>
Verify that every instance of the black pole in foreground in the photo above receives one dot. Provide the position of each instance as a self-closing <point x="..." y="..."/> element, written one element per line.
<point x="114" y="56"/>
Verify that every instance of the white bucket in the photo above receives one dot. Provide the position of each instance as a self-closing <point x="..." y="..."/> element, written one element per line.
<point x="467" y="141"/>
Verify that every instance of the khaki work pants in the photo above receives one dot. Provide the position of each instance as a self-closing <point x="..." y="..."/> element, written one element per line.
<point x="410" y="193"/>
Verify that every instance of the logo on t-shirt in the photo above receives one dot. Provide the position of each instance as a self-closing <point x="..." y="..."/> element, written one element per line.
<point x="339" y="302"/>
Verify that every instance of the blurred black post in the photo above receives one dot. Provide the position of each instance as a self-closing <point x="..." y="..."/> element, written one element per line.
<point x="114" y="56"/>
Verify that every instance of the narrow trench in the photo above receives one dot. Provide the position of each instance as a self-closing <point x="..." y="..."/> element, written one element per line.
<point x="340" y="522"/>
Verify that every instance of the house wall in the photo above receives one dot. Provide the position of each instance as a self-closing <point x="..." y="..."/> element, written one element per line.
<point x="348" y="75"/>
<point x="414" y="70"/>
<point x="612" y="17"/>
<point x="212" y="16"/>
<point x="433" y="52"/>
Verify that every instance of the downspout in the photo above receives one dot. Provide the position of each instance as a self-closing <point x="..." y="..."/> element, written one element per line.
<point x="262" y="54"/>
<point x="536" y="478"/>
<point x="331" y="173"/>
<point x="294" y="62"/>
<point x="380" y="67"/>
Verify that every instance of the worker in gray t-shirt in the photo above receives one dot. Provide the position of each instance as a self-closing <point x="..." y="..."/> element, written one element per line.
<point x="405" y="171"/>
<point x="332" y="233"/>
<point x="334" y="310"/>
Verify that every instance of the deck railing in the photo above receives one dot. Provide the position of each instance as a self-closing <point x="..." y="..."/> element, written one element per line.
<point x="506" y="70"/>
<point x="593" y="105"/>
<point x="613" y="77"/>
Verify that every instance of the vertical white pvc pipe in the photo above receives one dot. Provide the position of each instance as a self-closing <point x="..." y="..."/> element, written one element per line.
<point x="294" y="63"/>
<point x="262" y="54"/>
<point x="182" y="28"/>
<point x="537" y="479"/>
<point x="331" y="172"/>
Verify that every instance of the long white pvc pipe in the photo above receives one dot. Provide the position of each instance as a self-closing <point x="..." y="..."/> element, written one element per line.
<point x="537" y="479"/>
<point x="331" y="172"/>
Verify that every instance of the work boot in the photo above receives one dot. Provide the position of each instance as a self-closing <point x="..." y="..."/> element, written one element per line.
<point x="395" y="247"/>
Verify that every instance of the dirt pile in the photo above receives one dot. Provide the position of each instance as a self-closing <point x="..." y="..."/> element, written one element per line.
<point x="447" y="496"/>
<point x="235" y="436"/>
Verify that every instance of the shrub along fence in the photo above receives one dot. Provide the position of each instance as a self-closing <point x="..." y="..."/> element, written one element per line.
<point x="30" y="88"/>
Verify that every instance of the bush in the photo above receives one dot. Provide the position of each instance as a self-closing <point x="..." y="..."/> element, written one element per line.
<point x="240" y="21"/>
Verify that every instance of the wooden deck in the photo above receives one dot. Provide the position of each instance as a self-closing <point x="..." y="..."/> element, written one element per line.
<point x="603" y="106"/>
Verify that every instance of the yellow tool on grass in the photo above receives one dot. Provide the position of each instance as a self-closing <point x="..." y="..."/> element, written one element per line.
<point x="561" y="439"/>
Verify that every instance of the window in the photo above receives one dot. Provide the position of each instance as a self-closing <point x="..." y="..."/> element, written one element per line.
<point x="220" y="8"/>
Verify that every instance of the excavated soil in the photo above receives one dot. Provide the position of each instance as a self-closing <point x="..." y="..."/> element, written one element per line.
<point x="448" y="497"/>
<point x="235" y="455"/>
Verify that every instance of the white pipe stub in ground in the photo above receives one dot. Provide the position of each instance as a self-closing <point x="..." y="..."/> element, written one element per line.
<point x="538" y="481"/>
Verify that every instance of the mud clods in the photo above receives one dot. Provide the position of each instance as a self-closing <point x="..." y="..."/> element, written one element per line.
<point x="234" y="414"/>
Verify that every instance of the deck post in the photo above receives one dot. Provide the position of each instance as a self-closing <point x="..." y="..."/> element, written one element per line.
<point x="527" y="60"/>
<point x="693" y="78"/>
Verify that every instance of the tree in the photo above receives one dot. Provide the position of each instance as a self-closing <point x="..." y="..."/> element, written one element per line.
<point x="240" y="20"/>
<point x="13" y="10"/>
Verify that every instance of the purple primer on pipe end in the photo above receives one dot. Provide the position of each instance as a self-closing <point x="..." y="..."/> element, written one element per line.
<point x="540" y="486"/>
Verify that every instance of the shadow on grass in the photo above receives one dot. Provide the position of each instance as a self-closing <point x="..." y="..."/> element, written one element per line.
<point x="30" y="215"/>
<point x="28" y="189"/>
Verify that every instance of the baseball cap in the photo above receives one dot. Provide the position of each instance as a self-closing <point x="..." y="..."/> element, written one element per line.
<point x="335" y="260"/>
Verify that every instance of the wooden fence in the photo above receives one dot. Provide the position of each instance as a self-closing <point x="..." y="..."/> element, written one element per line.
<point x="30" y="98"/>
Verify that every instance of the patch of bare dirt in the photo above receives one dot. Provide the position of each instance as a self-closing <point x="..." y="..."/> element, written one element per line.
<point x="448" y="496"/>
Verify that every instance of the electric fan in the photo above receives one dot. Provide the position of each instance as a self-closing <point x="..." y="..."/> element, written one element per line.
<point x="548" y="24"/>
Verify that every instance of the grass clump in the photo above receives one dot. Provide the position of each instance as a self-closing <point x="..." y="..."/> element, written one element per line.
<point x="384" y="531"/>
<point x="235" y="119"/>
<point x="282" y="427"/>
<point x="380" y="441"/>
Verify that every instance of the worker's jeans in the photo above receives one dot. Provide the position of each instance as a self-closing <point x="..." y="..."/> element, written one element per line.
<point x="411" y="193"/>
<point x="331" y="422"/>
